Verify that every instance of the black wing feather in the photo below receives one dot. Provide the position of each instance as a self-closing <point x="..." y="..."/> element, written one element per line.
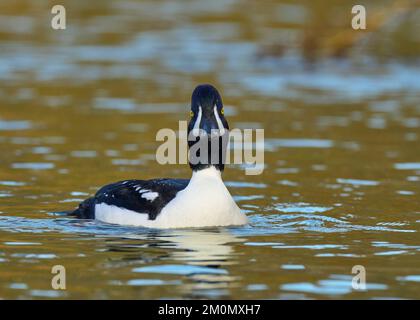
<point x="126" y="194"/>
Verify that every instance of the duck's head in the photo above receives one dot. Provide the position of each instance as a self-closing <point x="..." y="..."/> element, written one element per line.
<point x="207" y="113"/>
<point x="208" y="125"/>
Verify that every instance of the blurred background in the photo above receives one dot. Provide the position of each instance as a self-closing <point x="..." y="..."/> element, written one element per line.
<point x="80" y="108"/>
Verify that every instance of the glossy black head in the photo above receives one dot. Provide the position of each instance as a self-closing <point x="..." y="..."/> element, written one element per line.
<point x="207" y="126"/>
<point x="207" y="111"/>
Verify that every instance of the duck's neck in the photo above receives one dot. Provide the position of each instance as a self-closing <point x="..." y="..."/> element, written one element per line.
<point x="210" y="172"/>
<point x="208" y="152"/>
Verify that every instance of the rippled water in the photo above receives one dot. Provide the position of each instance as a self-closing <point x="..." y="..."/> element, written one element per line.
<point x="80" y="108"/>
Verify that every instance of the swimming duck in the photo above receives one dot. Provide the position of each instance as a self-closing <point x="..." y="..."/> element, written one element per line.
<point x="201" y="201"/>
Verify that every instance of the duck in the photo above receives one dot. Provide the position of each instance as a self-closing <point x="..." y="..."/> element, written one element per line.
<point x="165" y="203"/>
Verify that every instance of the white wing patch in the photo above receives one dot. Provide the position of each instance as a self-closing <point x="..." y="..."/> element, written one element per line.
<point x="146" y="193"/>
<point x="140" y="190"/>
<point x="150" y="195"/>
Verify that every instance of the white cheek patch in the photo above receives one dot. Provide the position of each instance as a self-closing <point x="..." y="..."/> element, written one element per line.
<point x="219" y="121"/>
<point x="196" y="128"/>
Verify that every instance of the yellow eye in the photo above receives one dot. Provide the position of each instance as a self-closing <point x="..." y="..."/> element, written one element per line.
<point x="222" y="111"/>
<point x="191" y="114"/>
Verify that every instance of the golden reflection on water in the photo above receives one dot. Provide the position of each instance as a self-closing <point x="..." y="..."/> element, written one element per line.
<point x="80" y="108"/>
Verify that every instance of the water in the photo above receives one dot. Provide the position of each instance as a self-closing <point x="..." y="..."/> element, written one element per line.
<point x="81" y="108"/>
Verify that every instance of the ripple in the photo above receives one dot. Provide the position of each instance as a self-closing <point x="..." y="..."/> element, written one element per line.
<point x="8" y="125"/>
<point x="151" y="282"/>
<point x="78" y="193"/>
<point x="335" y="285"/>
<point x="6" y="194"/>
<point x="78" y="200"/>
<point x="295" y="222"/>
<point x="127" y="162"/>
<point x="34" y="255"/>
<point x="19" y="243"/>
<point x="47" y="293"/>
<point x="180" y="269"/>
<point x="287" y="183"/>
<point x="415" y="278"/>
<point x="115" y="104"/>
<point x="337" y="289"/>
<point x="84" y="154"/>
<point x="405" y="192"/>
<point x="407" y="166"/>
<point x="293" y="267"/>
<point x="137" y="127"/>
<point x="256" y="287"/>
<point x="18" y="286"/>
<point x="385" y="106"/>
<point x="384" y="244"/>
<point x="248" y="198"/>
<point x="242" y="184"/>
<point x="41" y="150"/>
<point x="33" y="165"/>
<point x="390" y="253"/>
<point x="267" y="224"/>
<point x="12" y="183"/>
<point x="263" y="244"/>
<point x="358" y="182"/>
<point x="287" y="170"/>
<point x="130" y="106"/>
<point x="413" y="178"/>
<point x="298" y="143"/>
<point x="300" y="207"/>
<point x="312" y="246"/>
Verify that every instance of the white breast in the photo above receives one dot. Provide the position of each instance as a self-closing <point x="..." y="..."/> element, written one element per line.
<point x="204" y="202"/>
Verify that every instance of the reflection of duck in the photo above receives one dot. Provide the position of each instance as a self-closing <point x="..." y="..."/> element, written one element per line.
<point x="200" y="255"/>
<point x="201" y="247"/>
<point x="177" y="203"/>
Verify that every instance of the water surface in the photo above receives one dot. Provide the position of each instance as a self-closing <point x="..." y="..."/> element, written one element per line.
<point x="80" y="108"/>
